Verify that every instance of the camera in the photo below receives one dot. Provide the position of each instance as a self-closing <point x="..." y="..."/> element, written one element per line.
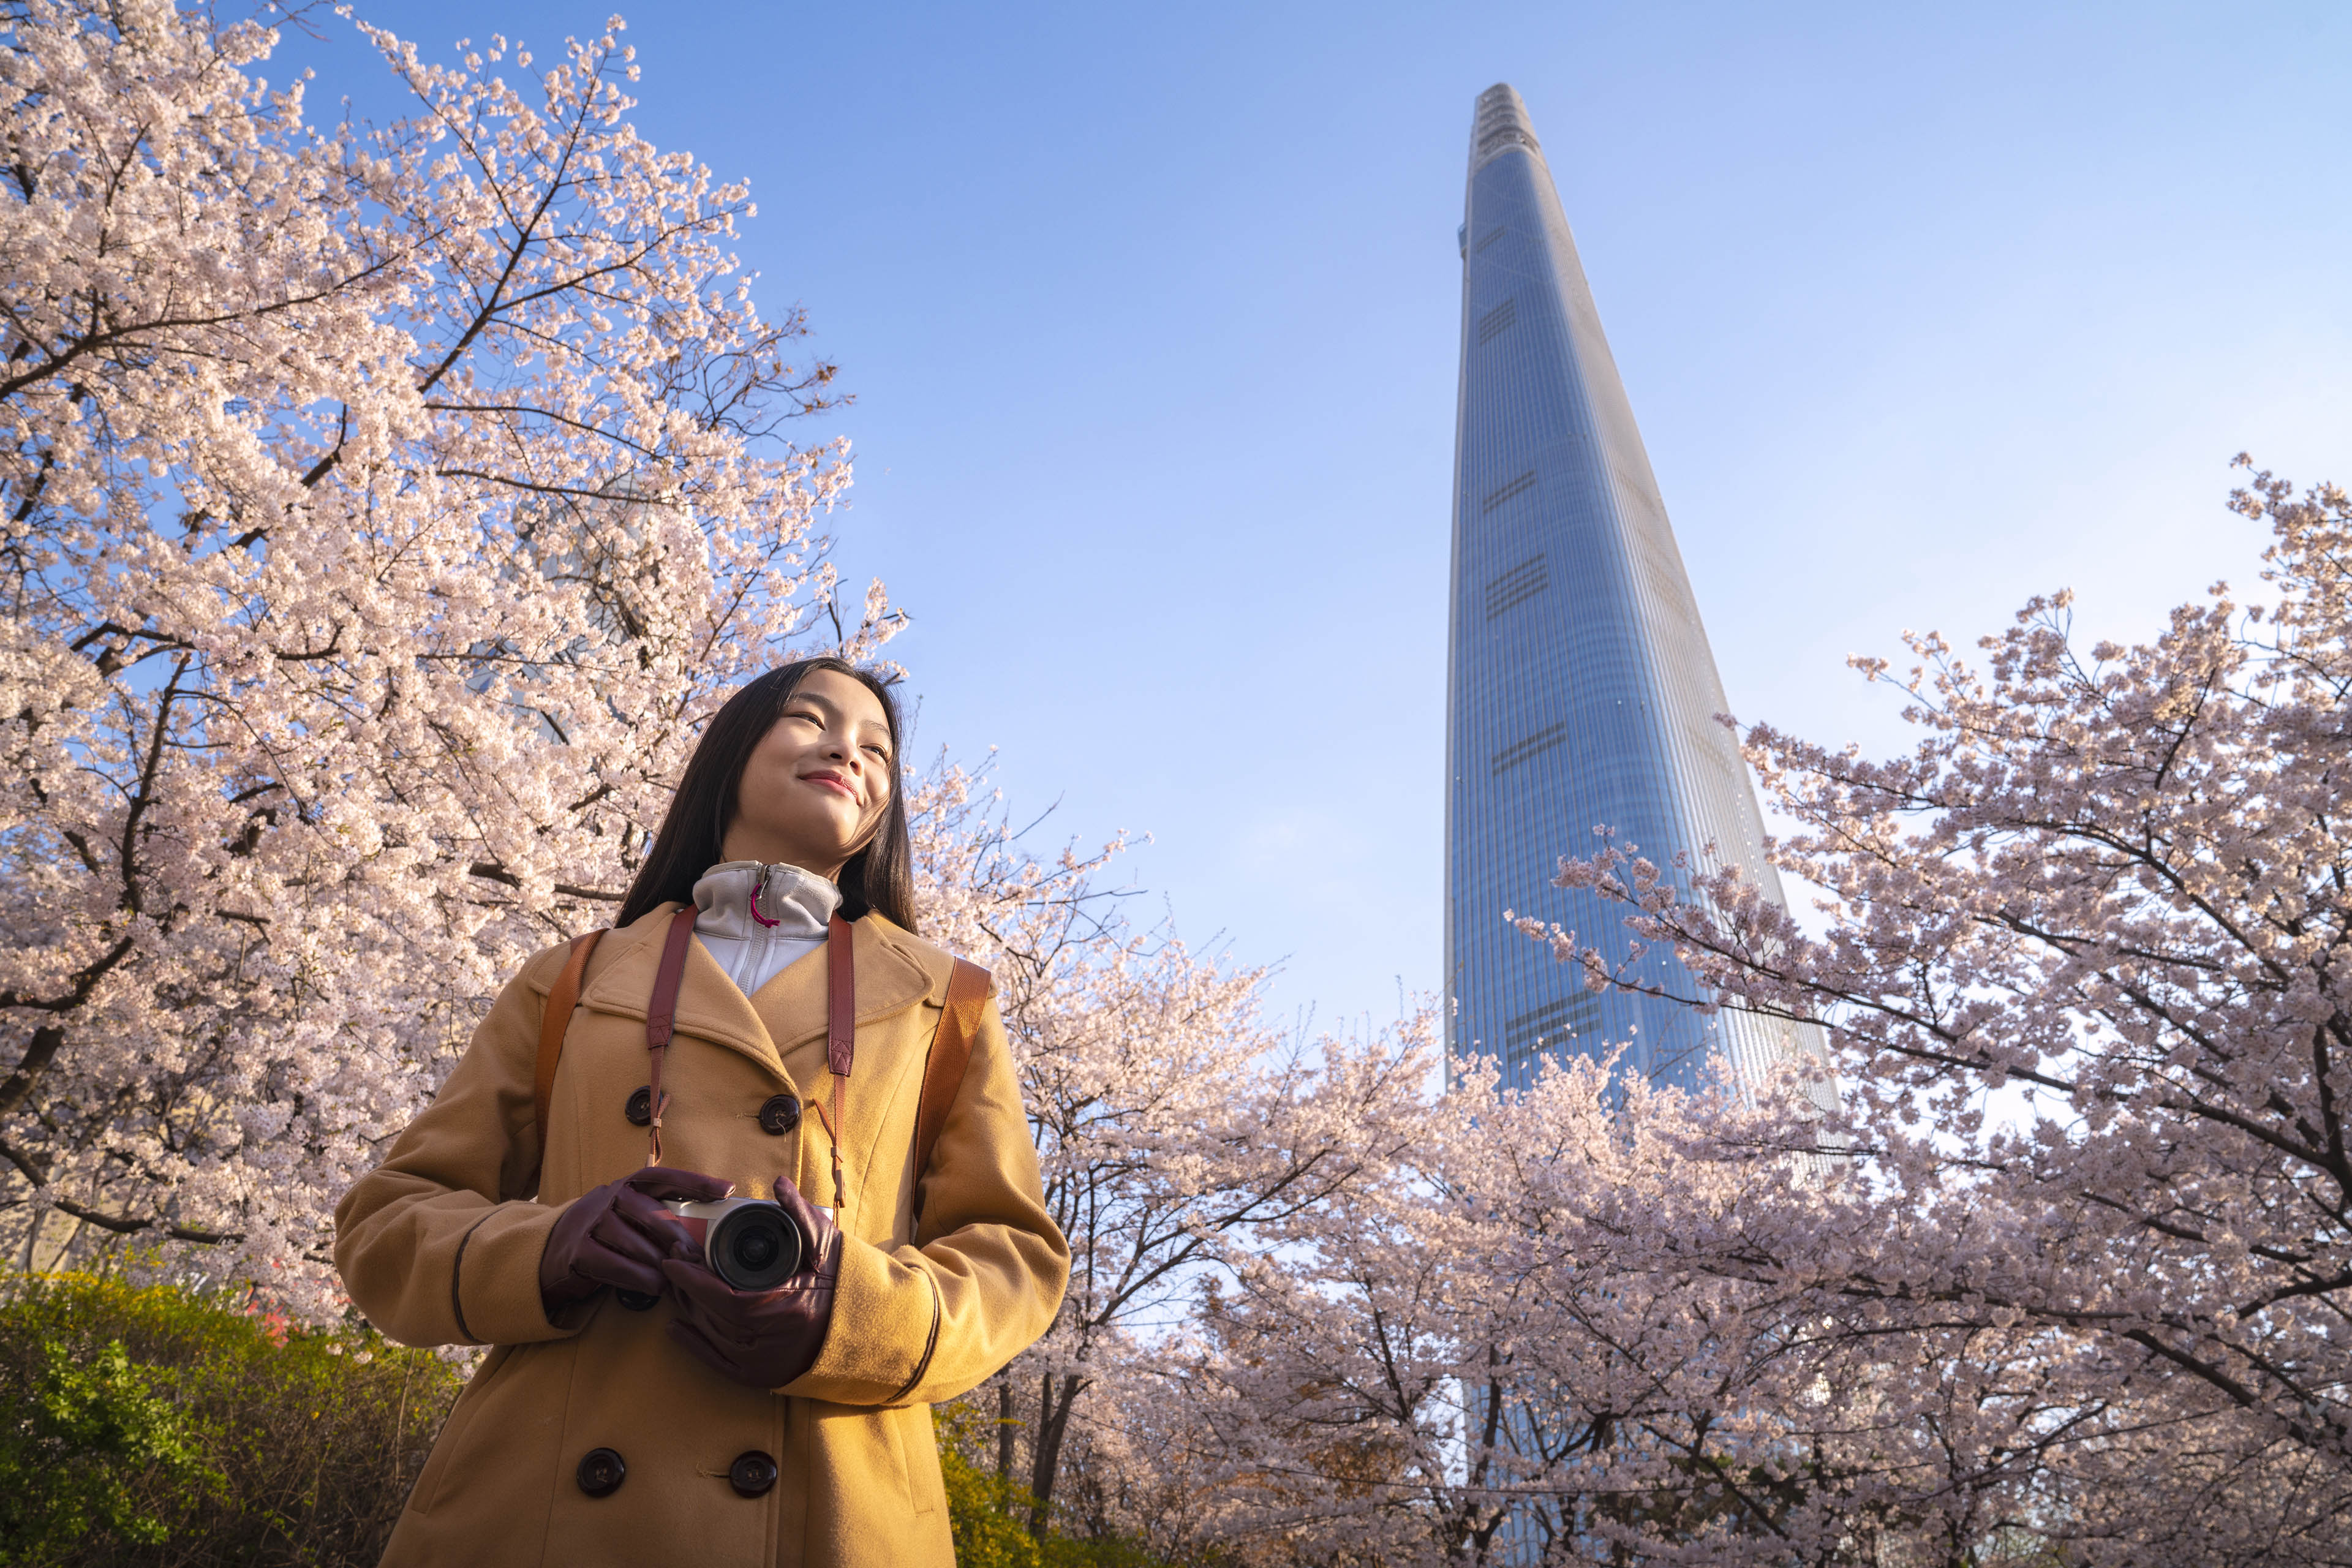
<point x="750" y="1242"/>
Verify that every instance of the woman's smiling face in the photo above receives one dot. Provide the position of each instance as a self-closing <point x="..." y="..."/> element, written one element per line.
<point x="814" y="788"/>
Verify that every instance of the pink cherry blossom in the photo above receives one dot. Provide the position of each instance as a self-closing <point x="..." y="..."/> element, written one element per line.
<point x="1174" y="1125"/>
<point x="2059" y="1271"/>
<point x="383" y="508"/>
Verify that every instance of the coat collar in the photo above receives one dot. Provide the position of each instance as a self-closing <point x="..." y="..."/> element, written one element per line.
<point x="889" y="979"/>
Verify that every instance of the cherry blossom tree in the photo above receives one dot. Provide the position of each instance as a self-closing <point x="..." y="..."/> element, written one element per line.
<point x="2061" y="1278"/>
<point x="384" y="508"/>
<point x="2069" y="1271"/>
<point x="1173" y="1126"/>
<point x="1559" y="1342"/>
<point x="1336" y="1370"/>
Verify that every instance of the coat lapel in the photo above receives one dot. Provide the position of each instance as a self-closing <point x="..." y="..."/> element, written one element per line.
<point x="709" y="1005"/>
<point x="792" y="1006"/>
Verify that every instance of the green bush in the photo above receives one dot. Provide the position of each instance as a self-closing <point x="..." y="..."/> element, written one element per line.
<point x="67" y="1464"/>
<point x="146" y="1425"/>
<point x="986" y="1517"/>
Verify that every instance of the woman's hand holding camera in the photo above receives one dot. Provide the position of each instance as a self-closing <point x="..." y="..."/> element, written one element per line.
<point x="618" y="1235"/>
<point x="764" y="1339"/>
<point x="621" y="1235"/>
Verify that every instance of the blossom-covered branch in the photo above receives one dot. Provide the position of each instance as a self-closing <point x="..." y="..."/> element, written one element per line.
<point x="385" y="508"/>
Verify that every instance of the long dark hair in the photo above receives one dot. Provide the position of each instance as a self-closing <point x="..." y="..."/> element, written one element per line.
<point x="878" y="879"/>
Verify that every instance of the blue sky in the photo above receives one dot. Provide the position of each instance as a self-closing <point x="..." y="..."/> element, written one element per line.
<point x="1151" y="316"/>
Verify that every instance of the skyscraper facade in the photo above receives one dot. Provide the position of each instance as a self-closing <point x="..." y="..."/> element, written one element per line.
<point x="1581" y="692"/>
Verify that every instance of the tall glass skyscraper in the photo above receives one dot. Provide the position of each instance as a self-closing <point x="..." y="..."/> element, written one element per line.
<point x="1582" y="691"/>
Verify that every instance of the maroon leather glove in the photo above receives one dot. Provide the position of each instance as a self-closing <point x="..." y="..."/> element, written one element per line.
<point x="617" y="1234"/>
<point x="760" y="1338"/>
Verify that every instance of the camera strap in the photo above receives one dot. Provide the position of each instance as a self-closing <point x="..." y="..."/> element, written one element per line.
<point x="840" y="1033"/>
<point x="661" y="1016"/>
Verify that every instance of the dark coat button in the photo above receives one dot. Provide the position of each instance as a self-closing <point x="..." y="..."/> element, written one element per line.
<point x="640" y="1109"/>
<point x="602" y="1472"/>
<point x="780" y="1115"/>
<point x="751" y="1474"/>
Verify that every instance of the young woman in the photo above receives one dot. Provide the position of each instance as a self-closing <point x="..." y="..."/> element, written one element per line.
<point x="762" y="1016"/>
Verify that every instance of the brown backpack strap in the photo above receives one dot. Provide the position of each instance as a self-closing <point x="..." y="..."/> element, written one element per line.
<point x="561" y="1000"/>
<point x="943" y="1069"/>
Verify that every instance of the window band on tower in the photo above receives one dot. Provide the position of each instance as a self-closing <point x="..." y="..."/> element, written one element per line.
<point x="1519" y="751"/>
<point x="1519" y="486"/>
<point x="1517" y="585"/>
<point x="1575" y="1014"/>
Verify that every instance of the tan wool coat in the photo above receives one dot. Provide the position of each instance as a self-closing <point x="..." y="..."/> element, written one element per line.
<point x="441" y="1245"/>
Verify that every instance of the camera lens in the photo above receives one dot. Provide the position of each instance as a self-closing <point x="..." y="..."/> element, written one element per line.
<point x="756" y="1248"/>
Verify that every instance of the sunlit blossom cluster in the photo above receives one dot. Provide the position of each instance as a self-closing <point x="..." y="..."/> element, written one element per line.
<point x="383" y="508"/>
<point x="2065" y="1278"/>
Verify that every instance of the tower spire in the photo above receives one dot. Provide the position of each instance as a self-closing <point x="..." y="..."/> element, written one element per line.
<point x="1582" y="691"/>
<point x="1502" y="122"/>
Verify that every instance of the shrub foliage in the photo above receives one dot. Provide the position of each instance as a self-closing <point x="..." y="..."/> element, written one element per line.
<point x="148" y="1425"/>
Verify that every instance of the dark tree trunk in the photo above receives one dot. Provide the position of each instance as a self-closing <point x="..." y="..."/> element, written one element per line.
<point x="1054" y="1407"/>
<point x="1004" y="1424"/>
<point x="38" y="1054"/>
